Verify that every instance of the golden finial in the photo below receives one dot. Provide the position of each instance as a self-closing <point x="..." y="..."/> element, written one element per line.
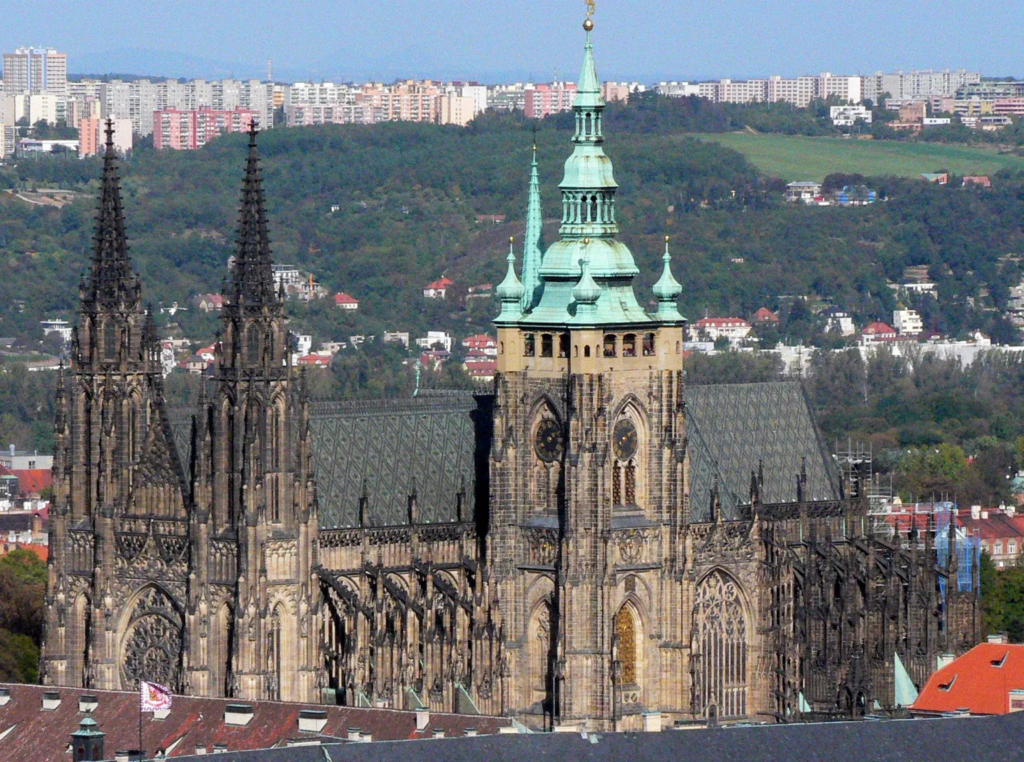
<point x="588" y="25"/>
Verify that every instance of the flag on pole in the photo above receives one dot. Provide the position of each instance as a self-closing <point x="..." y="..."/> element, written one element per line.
<point x="155" y="697"/>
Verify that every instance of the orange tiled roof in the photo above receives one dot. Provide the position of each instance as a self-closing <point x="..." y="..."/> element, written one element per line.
<point x="980" y="680"/>
<point x="33" y="480"/>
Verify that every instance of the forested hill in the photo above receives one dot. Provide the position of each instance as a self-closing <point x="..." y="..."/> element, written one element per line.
<point x="407" y="197"/>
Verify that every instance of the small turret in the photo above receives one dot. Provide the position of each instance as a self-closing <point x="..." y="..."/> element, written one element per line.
<point x="667" y="290"/>
<point x="510" y="291"/>
<point x="586" y="292"/>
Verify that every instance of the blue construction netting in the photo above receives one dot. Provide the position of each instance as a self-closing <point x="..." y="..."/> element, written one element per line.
<point x="968" y="549"/>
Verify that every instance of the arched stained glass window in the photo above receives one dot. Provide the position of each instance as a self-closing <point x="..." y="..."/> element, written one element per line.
<point x="719" y="648"/>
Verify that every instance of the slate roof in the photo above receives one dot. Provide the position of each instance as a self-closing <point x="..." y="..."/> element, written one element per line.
<point x="435" y="444"/>
<point x="980" y="681"/>
<point x="935" y="740"/>
<point x="734" y="429"/>
<point x="30" y="734"/>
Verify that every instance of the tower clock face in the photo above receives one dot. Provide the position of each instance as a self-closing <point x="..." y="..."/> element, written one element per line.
<point x="624" y="439"/>
<point x="548" y="441"/>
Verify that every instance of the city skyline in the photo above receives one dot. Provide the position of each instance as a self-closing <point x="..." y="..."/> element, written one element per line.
<point x="522" y="39"/>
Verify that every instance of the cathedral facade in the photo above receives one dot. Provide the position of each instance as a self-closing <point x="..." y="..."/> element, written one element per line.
<point x="592" y="545"/>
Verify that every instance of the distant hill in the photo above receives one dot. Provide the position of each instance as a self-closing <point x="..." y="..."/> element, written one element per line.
<point x="407" y="197"/>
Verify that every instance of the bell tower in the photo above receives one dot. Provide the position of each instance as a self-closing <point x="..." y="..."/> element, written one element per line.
<point x="587" y="463"/>
<point x="252" y="597"/>
<point x="119" y="522"/>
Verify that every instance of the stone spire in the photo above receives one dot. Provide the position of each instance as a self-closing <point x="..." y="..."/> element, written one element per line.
<point x="532" y="251"/>
<point x="667" y="290"/>
<point x="112" y="280"/>
<point x="510" y="290"/>
<point x="253" y="277"/>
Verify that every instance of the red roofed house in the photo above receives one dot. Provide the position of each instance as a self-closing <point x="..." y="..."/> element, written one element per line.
<point x="437" y="289"/>
<point x="32" y="481"/>
<point x="480" y="367"/>
<point x="346" y="302"/>
<point x="1000" y="532"/>
<point x="482" y="343"/>
<point x="988" y="679"/>
<point x="209" y="302"/>
<point x="877" y="331"/>
<point x="36" y="723"/>
<point x="982" y="181"/>
<point x="317" y="361"/>
<point x="764" y="316"/>
<point x="730" y="328"/>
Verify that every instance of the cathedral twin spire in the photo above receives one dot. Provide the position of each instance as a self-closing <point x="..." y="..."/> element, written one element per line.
<point x="112" y="280"/>
<point x="252" y="276"/>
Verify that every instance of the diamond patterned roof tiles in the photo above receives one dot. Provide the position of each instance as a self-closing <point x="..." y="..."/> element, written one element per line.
<point x="735" y="428"/>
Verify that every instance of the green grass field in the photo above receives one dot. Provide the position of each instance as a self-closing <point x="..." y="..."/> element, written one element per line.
<point x="794" y="157"/>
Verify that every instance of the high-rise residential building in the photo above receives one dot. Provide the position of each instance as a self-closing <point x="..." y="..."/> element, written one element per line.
<point x="917" y="84"/>
<point x="187" y="130"/>
<point x="544" y="100"/>
<point x="456" y="109"/>
<point x="36" y="70"/>
<point x="92" y="136"/>
<point x="140" y="99"/>
<point x="799" y="91"/>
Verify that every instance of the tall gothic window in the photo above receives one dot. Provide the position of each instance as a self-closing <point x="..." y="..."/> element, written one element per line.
<point x="253" y="343"/>
<point x="539" y="678"/>
<point x="627" y="644"/>
<point x="719" y="648"/>
<point x="109" y="340"/>
<point x="274" y="656"/>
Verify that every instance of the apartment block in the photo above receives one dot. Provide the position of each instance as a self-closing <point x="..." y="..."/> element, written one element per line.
<point x="188" y="130"/>
<point x="36" y="70"/>
<point x="92" y="136"/>
<point x="544" y="100"/>
<point x="917" y="84"/>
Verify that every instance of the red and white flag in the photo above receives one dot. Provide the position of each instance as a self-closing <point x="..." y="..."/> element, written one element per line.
<point x="155" y="697"/>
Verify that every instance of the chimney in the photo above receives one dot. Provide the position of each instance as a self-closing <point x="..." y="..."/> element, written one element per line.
<point x="365" y="737"/>
<point x="128" y="755"/>
<point x="422" y="719"/>
<point x="51" y="700"/>
<point x="87" y="703"/>
<point x="353" y="734"/>
<point x="975" y="512"/>
<point x="5" y="696"/>
<point x="438" y="732"/>
<point x="471" y="732"/>
<point x="312" y="720"/>
<point x="507" y="730"/>
<point x="237" y="715"/>
<point x="200" y="751"/>
<point x="1010" y="510"/>
<point x="652" y="722"/>
<point x="984" y="514"/>
<point x="944" y="660"/>
<point x="999" y="638"/>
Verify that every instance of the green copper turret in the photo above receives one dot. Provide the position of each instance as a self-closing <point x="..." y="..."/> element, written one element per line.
<point x="532" y="252"/>
<point x="588" y="213"/>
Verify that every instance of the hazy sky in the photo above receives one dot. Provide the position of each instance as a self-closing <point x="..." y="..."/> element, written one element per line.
<point x="480" y="39"/>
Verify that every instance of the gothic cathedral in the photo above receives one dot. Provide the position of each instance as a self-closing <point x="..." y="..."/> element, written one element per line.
<point x="592" y="545"/>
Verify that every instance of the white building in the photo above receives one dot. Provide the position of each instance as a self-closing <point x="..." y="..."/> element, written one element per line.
<point x="397" y="337"/>
<point x="731" y="328"/>
<point x="14" y="459"/>
<point x="803" y="190"/>
<point x="434" y="338"/>
<point x="286" y="276"/>
<point x="907" y="322"/>
<point x="59" y="326"/>
<point x="847" y="116"/>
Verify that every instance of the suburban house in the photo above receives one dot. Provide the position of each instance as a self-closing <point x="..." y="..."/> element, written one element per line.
<point x="345" y="302"/>
<point x="438" y="289"/>
<point x="481" y="343"/>
<point x="731" y="328"/>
